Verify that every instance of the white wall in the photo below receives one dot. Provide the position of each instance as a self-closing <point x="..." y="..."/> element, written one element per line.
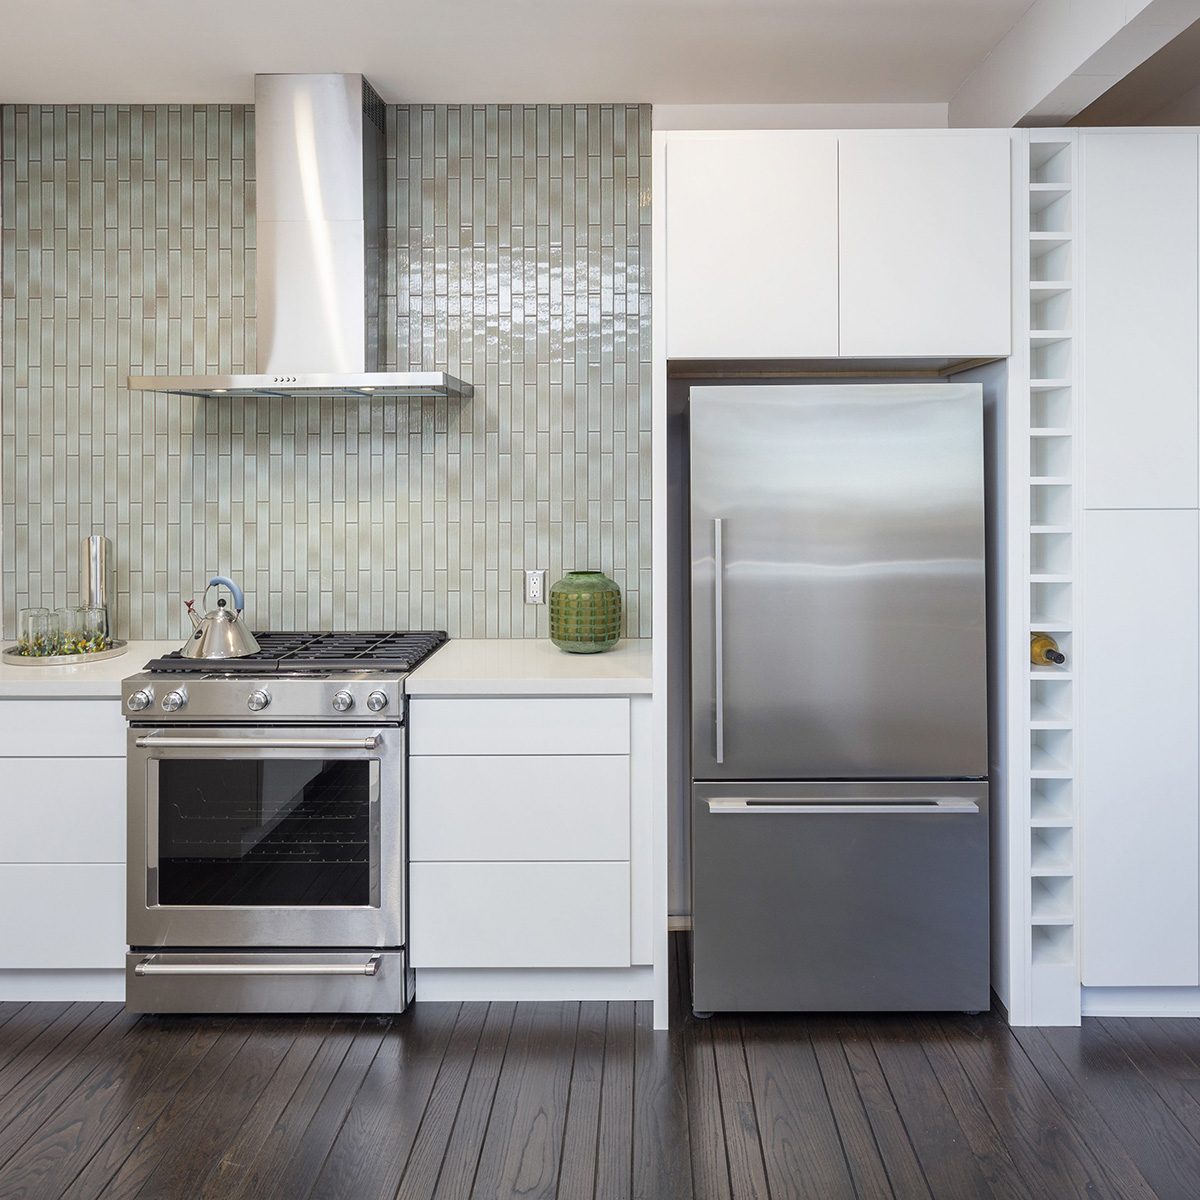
<point x="799" y="116"/>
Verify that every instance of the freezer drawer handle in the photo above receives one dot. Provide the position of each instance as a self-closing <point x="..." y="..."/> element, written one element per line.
<point x="154" y="740"/>
<point x="932" y="808"/>
<point x="151" y="966"/>
<point x="719" y="633"/>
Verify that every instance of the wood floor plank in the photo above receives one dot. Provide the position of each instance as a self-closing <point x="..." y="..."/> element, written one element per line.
<point x="26" y="1027"/>
<point x="743" y="1144"/>
<point x="69" y="1137"/>
<point x="282" y="1141"/>
<point x="1037" y="1132"/>
<point x="1165" y="1153"/>
<point x="1170" y="1072"/>
<point x="461" y="1160"/>
<point x="424" y="1165"/>
<point x="251" y="1134"/>
<point x="523" y="1142"/>
<point x="899" y="1159"/>
<point x="854" y="1128"/>
<point x="36" y="1051"/>
<point x="9" y="1009"/>
<point x="303" y="1146"/>
<point x="93" y="1042"/>
<point x="802" y="1150"/>
<point x="949" y="1166"/>
<point x="662" y="1144"/>
<point x="614" y="1147"/>
<point x="155" y="1122"/>
<point x="577" y="1164"/>
<point x="1126" y="1181"/>
<point x="710" y="1163"/>
<point x="990" y="1150"/>
<point x="368" y="1156"/>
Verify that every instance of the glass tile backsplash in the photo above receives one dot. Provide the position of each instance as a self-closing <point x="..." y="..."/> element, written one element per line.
<point x="518" y="258"/>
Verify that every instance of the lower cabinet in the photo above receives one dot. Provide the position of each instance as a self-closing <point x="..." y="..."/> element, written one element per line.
<point x="519" y="914"/>
<point x="1139" y="774"/>
<point x="62" y="835"/>
<point x="527" y="850"/>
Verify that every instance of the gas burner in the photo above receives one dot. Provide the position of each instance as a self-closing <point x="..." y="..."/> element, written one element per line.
<point x="313" y="654"/>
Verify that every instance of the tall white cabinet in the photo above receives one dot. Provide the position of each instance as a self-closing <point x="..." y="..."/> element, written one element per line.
<point x="1138" y="657"/>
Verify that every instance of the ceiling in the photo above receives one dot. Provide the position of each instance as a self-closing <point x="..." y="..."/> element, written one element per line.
<point x="1165" y="89"/>
<point x="660" y="51"/>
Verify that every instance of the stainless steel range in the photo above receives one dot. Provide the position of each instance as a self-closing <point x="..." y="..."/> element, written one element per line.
<point x="266" y="867"/>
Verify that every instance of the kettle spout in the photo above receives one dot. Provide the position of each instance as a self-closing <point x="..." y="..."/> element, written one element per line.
<point x="191" y="612"/>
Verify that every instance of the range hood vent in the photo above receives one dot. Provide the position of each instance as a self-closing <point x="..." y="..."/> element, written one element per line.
<point x="321" y="188"/>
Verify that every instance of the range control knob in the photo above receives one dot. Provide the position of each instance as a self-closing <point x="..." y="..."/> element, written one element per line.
<point x="377" y="701"/>
<point x="173" y="701"/>
<point x="343" y="702"/>
<point x="258" y="700"/>
<point x="139" y="700"/>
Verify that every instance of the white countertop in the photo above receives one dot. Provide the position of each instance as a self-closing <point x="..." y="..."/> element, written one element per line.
<point x="83" y="681"/>
<point x="463" y="667"/>
<point x="531" y="667"/>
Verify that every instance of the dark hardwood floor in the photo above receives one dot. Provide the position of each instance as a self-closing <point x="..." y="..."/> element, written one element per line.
<point x="585" y="1100"/>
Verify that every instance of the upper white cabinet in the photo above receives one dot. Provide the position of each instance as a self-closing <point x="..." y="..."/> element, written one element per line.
<point x="924" y="241"/>
<point x="1139" y="244"/>
<point x="752" y="245"/>
<point x="795" y="244"/>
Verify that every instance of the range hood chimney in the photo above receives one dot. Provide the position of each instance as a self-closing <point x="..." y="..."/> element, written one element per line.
<point x="321" y="200"/>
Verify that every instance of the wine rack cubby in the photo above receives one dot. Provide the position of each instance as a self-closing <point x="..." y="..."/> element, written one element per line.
<point x="1043" y="794"/>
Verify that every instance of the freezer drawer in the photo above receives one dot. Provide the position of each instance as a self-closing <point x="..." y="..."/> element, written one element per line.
<point x="840" y="897"/>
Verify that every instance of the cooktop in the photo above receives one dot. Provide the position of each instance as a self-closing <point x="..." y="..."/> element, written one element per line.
<point x="315" y="653"/>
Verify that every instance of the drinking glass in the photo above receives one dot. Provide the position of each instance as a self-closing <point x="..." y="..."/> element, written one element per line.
<point x="95" y="630"/>
<point x="70" y="629"/>
<point x="33" y="629"/>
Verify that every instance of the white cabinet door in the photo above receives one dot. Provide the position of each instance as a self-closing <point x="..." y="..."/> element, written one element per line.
<point x="518" y="914"/>
<point x="62" y="810"/>
<point x="751" y="222"/>
<point x="1139" y="780"/>
<point x="924" y="237"/>
<point x="62" y="916"/>
<point x="465" y="808"/>
<point x="1140" y="319"/>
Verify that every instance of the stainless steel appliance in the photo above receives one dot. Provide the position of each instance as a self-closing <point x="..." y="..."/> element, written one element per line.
<point x="321" y="199"/>
<point x="266" y="854"/>
<point x="839" y="756"/>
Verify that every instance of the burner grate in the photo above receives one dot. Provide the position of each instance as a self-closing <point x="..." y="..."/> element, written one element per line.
<point x="324" y="652"/>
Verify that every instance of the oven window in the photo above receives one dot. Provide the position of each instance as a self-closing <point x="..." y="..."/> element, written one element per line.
<point x="264" y="832"/>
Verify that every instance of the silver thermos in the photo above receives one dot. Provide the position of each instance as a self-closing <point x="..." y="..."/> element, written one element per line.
<point x="98" y="587"/>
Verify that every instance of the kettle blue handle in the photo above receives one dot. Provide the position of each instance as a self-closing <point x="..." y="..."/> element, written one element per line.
<point x="239" y="601"/>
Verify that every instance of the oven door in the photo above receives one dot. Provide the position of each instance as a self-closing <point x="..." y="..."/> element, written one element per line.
<point x="266" y="837"/>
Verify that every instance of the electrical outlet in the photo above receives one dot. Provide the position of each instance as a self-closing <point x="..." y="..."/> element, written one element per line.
<point x="535" y="587"/>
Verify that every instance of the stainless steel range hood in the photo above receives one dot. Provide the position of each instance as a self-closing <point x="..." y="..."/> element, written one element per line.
<point x="321" y="195"/>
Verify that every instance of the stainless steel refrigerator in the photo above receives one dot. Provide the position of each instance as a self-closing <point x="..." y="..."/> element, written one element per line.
<point x="839" y="729"/>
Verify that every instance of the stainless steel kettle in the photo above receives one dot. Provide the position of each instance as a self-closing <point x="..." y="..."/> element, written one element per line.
<point x="220" y="633"/>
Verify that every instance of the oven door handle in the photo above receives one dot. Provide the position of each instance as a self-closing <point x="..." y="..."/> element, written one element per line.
<point x="158" y="741"/>
<point x="150" y="966"/>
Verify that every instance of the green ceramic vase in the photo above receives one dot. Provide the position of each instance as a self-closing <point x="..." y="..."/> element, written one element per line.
<point x="585" y="613"/>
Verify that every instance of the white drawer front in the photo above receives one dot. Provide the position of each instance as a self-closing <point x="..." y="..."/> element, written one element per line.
<point x="61" y="729"/>
<point x="63" y="810"/>
<point x="519" y="914"/>
<point x="71" y="916"/>
<point x="488" y="807"/>
<point x="501" y="726"/>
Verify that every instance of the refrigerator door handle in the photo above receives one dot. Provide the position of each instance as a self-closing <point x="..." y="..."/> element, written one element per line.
<point x="945" y="807"/>
<point x="719" y="635"/>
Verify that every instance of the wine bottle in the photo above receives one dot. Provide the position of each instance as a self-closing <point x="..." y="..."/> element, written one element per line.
<point x="1044" y="651"/>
